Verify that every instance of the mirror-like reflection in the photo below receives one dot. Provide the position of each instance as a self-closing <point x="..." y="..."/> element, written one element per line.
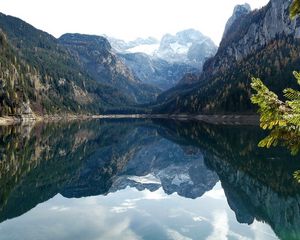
<point x="144" y="179"/>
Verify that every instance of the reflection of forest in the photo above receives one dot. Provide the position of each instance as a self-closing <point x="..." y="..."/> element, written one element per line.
<point x="93" y="158"/>
<point x="258" y="183"/>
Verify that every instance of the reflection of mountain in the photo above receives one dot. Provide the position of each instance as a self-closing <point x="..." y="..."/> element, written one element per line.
<point x="105" y="162"/>
<point x="102" y="157"/>
<point x="258" y="183"/>
<point x="166" y="164"/>
<point x="94" y="156"/>
<point x="34" y="167"/>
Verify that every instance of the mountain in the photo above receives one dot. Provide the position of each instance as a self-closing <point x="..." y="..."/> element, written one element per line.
<point x="95" y="55"/>
<point x="146" y="45"/>
<point x="38" y="73"/>
<point x="156" y="71"/>
<point x="188" y="79"/>
<point x="238" y="11"/>
<point x="188" y="46"/>
<point x="96" y="158"/>
<point x="252" y="192"/>
<point x="263" y="43"/>
<point x="173" y="167"/>
<point x="163" y="64"/>
<point x="104" y="156"/>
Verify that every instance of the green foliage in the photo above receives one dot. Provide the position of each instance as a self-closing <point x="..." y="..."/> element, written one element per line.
<point x="282" y="118"/>
<point x="295" y="9"/>
<point x="297" y="176"/>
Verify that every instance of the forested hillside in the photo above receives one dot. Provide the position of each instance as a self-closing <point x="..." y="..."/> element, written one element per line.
<point x="262" y="43"/>
<point x="39" y="74"/>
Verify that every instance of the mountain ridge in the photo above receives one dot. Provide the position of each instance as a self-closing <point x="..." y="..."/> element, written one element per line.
<point x="95" y="55"/>
<point x="40" y="76"/>
<point x="255" y="45"/>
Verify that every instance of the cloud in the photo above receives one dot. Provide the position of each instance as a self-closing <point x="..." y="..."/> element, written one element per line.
<point x="215" y="194"/>
<point x="176" y="235"/>
<point x="262" y="231"/>
<point x="126" y="19"/>
<point x="220" y="226"/>
<point x="84" y="219"/>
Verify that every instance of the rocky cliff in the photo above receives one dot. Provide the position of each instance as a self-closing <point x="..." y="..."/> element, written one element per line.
<point x="263" y="43"/>
<point x="256" y="30"/>
<point x="238" y="11"/>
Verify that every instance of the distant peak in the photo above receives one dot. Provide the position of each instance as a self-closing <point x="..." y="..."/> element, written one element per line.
<point x="238" y="11"/>
<point x="242" y="7"/>
<point x="78" y="38"/>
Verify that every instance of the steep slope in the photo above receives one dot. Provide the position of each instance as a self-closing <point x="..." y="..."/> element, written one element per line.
<point x="263" y="43"/>
<point x="238" y="11"/>
<point x="38" y="73"/>
<point x="95" y="54"/>
<point x="14" y="89"/>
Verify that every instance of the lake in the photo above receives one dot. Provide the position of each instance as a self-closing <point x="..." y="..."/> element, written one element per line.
<point x="145" y="179"/>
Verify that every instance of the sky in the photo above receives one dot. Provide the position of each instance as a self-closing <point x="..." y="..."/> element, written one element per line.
<point x="126" y="19"/>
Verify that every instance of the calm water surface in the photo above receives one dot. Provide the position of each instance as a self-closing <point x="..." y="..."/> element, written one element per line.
<point x="143" y="179"/>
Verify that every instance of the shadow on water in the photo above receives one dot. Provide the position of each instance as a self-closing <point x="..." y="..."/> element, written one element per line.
<point x="92" y="158"/>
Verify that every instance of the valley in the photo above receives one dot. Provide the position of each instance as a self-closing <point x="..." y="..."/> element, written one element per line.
<point x="149" y="120"/>
<point x="185" y="73"/>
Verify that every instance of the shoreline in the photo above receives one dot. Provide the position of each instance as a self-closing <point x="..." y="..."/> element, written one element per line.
<point x="212" y="119"/>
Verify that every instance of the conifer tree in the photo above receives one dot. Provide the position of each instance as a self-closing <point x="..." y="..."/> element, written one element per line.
<point x="295" y="9"/>
<point x="281" y="117"/>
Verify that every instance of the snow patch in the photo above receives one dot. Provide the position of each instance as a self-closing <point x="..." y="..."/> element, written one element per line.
<point x="148" y="179"/>
<point x="145" y="48"/>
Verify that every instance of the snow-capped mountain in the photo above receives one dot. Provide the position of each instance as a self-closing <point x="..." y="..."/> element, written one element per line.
<point x="163" y="63"/>
<point x="144" y="45"/>
<point x="181" y="170"/>
<point x="188" y="46"/>
<point x="156" y="71"/>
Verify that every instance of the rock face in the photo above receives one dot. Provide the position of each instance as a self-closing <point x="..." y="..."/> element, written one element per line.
<point x="188" y="79"/>
<point x="188" y="46"/>
<point x="259" y="28"/>
<point x="26" y="112"/>
<point x="239" y="11"/>
<point x="263" y="43"/>
<point x="96" y="56"/>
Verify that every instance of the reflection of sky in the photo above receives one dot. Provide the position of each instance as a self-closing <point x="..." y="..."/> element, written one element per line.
<point x="130" y="214"/>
